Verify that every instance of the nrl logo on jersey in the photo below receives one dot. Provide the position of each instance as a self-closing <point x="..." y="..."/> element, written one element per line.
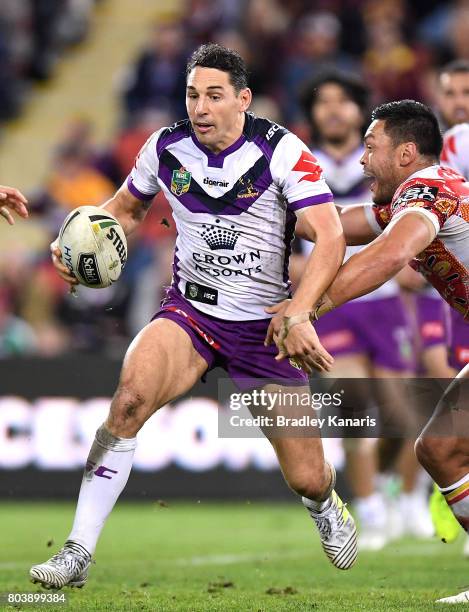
<point x="180" y="181"/>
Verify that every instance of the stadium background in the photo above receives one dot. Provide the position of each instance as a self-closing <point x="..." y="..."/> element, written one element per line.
<point x="84" y="82"/>
<point x="82" y="85"/>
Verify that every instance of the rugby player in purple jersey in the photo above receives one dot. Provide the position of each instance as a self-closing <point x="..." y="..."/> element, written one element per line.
<point x="236" y="184"/>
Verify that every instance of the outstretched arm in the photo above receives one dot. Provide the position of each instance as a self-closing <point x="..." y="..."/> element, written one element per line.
<point x="128" y="210"/>
<point x="380" y="260"/>
<point x="356" y="223"/>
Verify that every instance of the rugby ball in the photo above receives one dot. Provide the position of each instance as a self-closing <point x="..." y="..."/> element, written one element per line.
<point x="93" y="246"/>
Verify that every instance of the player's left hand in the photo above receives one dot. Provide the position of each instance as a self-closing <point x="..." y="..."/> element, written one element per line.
<point x="12" y="199"/>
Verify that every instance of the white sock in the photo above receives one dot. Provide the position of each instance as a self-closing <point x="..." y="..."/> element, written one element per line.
<point x="457" y="498"/>
<point x="106" y="473"/>
<point x="317" y="506"/>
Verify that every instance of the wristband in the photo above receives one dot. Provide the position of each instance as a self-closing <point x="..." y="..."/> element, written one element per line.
<point x="303" y="317"/>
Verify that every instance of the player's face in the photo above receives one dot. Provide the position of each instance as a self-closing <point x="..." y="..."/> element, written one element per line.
<point x="335" y="115"/>
<point x="453" y="98"/>
<point x="215" y="110"/>
<point x="381" y="163"/>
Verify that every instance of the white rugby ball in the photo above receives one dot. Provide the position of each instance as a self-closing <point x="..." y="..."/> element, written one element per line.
<point x="93" y="246"/>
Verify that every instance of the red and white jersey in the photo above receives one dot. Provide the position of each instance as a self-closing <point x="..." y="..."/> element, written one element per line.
<point x="441" y="195"/>
<point x="455" y="153"/>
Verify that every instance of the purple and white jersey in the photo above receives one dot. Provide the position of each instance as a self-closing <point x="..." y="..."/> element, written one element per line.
<point x="234" y="212"/>
<point x="345" y="177"/>
<point x="350" y="186"/>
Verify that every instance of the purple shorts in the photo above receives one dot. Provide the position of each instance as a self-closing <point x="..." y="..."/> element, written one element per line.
<point x="376" y="328"/>
<point x="236" y="346"/>
<point x="458" y="339"/>
<point x="430" y="315"/>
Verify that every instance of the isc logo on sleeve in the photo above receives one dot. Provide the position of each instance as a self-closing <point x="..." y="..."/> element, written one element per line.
<point x="272" y="131"/>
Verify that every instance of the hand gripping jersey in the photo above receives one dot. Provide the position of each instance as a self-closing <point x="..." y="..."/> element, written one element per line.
<point x="442" y="195"/>
<point x="234" y="212"/>
<point x="455" y="153"/>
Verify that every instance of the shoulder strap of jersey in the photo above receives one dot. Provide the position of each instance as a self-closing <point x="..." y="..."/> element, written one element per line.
<point x="177" y="131"/>
<point x="265" y="133"/>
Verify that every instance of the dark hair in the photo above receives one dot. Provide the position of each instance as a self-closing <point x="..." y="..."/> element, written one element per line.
<point x="408" y="120"/>
<point x="216" y="56"/>
<point x="459" y="66"/>
<point x="350" y="83"/>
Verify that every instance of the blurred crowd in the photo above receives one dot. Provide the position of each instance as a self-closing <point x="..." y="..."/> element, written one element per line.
<point x="33" y="35"/>
<point x="395" y="47"/>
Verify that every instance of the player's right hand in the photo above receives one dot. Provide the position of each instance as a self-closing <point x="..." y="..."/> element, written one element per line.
<point x="59" y="266"/>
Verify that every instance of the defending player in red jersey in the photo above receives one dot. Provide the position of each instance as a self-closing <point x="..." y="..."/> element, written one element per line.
<point x="441" y="197"/>
<point x="421" y="212"/>
<point x="336" y="104"/>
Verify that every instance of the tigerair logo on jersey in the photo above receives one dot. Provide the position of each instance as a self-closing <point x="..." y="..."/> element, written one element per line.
<point x="180" y="181"/>
<point x="214" y="183"/>
<point x="218" y="237"/>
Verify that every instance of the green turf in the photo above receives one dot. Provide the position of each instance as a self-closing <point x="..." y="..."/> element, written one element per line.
<point x="201" y="556"/>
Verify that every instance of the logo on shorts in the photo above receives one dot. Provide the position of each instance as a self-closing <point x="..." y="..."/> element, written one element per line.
<point x="180" y="181"/>
<point x="294" y="363"/>
<point x="220" y="237"/>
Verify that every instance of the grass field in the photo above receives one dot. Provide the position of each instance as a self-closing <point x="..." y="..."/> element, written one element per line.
<point x="202" y="556"/>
